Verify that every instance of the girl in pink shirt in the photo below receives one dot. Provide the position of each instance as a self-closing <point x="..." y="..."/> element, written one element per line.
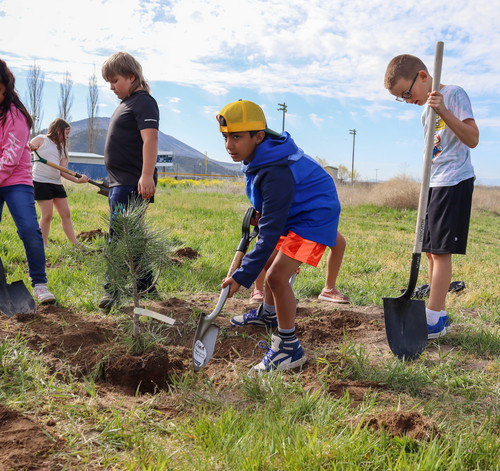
<point x="16" y="185"/>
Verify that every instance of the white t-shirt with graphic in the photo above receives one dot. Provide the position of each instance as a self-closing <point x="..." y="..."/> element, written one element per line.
<point x="451" y="161"/>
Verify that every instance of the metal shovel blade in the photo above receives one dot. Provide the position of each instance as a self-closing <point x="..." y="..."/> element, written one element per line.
<point x="405" y="326"/>
<point x="204" y="345"/>
<point x="16" y="299"/>
<point x="206" y="334"/>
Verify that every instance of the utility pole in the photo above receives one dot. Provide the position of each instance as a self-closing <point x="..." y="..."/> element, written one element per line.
<point x="353" y="132"/>
<point x="282" y="108"/>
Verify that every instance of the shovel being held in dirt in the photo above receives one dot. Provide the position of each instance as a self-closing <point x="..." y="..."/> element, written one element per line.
<point x="206" y="332"/>
<point x="103" y="187"/>
<point x="405" y="318"/>
<point x="14" y="297"/>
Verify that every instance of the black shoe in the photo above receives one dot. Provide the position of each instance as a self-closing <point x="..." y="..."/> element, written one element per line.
<point x="109" y="300"/>
<point x="456" y="286"/>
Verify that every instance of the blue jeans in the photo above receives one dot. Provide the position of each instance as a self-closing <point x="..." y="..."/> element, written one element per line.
<point x="21" y="203"/>
<point x="121" y="196"/>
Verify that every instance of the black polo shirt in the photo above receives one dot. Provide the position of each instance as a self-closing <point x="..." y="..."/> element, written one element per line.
<point x="123" y="149"/>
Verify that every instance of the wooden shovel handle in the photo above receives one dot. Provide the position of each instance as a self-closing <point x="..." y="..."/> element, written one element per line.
<point x="235" y="264"/>
<point x="58" y="167"/>
<point x="429" y="147"/>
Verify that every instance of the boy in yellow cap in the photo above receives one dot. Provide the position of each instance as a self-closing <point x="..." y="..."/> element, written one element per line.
<point x="299" y="210"/>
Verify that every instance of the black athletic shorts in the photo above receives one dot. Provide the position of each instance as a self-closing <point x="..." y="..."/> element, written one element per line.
<point x="448" y="217"/>
<point x="48" y="191"/>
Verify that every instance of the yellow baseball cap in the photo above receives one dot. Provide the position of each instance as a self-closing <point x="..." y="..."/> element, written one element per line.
<point x="243" y="115"/>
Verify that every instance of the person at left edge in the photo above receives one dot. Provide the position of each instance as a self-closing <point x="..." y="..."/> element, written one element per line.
<point x="16" y="185"/>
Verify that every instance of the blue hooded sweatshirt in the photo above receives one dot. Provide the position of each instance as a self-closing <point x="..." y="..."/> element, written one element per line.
<point x="293" y="193"/>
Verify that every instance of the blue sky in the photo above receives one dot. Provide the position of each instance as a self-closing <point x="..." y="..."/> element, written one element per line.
<point x="325" y="58"/>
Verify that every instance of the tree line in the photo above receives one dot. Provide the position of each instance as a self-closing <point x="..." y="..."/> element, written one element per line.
<point x="34" y="98"/>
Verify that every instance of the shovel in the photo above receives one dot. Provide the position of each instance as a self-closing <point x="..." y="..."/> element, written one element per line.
<point x="103" y="187"/>
<point x="15" y="297"/>
<point x="405" y="319"/>
<point x="206" y="332"/>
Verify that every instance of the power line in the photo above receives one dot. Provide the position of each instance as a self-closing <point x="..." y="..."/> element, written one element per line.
<point x="353" y="132"/>
<point x="283" y="108"/>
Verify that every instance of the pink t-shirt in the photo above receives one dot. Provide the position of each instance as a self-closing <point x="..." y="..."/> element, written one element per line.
<point x="15" y="156"/>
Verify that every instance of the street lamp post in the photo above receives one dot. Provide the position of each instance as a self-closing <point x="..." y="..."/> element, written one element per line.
<point x="282" y="108"/>
<point x="353" y="132"/>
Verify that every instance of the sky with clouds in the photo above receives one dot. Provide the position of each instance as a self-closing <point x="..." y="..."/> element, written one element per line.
<point x="325" y="59"/>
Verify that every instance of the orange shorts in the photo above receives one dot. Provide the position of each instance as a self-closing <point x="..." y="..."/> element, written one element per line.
<point x="303" y="250"/>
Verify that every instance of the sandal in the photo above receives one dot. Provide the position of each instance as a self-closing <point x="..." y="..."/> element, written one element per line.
<point x="334" y="296"/>
<point x="257" y="296"/>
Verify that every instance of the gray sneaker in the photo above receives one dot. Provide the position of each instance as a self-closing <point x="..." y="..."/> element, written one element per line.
<point x="42" y="294"/>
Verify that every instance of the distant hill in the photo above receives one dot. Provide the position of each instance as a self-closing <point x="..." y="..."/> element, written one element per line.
<point x="186" y="159"/>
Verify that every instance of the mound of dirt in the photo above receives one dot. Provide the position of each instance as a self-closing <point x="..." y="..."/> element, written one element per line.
<point x="24" y="444"/>
<point x="91" y="235"/>
<point x="412" y="424"/>
<point x="187" y="252"/>
<point x="146" y="373"/>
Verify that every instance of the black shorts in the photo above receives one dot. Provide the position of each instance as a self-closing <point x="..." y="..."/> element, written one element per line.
<point x="447" y="219"/>
<point x="48" y="191"/>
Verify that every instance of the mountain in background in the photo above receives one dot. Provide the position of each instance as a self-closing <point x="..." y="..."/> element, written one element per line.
<point x="186" y="159"/>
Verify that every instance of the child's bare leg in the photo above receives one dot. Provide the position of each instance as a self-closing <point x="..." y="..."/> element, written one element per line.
<point x="334" y="261"/>
<point x="440" y="279"/>
<point x="258" y="291"/>
<point x="62" y="207"/>
<point x="45" y="218"/>
<point x="278" y="282"/>
<point x="431" y="266"/>
<point x="268" y="294"/>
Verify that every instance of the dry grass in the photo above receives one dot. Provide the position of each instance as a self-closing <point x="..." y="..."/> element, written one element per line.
<point x="402" y="192"/>
<point x="399" y="193"/>
<point x="486" y="198"/>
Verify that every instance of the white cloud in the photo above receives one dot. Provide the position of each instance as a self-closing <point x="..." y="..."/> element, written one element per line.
<point x="316" y="120"/>
<point x="327" y="49"/>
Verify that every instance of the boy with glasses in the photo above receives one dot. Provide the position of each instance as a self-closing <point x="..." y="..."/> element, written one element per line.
<point x="452" y="175"/>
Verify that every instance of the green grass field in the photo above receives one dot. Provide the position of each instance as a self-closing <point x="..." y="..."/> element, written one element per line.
<point x="289" y="421"/>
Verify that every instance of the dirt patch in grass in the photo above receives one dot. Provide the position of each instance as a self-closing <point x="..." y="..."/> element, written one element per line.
<point x="93" y="345"/>
<point x="187" y="252"/>
<point x="91" y="235"/>
<point x="24" y="443"/>
<point x="412" y="424"/>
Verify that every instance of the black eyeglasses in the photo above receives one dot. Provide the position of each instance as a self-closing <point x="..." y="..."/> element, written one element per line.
<point x="407" y="95"/>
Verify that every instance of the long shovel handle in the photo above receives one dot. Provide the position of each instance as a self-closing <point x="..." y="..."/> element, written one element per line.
<point x="104" y="189"/>
<point x="58" y="167"/>
<point x="235" y="264"/>
<point x="424" y="188"/>
<point x="429" y="147"/>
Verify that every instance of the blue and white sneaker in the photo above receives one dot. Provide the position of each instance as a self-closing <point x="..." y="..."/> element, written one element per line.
<point x="446" y="321"/>
<point x="437" y="330"/>
<point x="281" y="355"/>
<point x="254" y="317"/>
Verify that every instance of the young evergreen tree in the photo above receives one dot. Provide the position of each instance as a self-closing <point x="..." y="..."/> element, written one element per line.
<point x="136" y="248"/>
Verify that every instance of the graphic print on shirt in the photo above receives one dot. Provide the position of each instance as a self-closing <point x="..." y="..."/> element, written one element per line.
<point x="440" y="125"/>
